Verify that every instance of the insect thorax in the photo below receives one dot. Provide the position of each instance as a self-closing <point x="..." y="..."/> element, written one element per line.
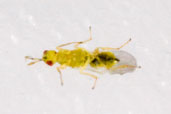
<point x="73" y="58"/>
<point x="104" y="59"/>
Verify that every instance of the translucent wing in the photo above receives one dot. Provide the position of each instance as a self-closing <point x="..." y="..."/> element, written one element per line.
<point x="100" y="70"/>
<point x="125" y="59"/>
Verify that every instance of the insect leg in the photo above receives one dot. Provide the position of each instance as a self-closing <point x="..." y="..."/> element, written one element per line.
<point x="125" y="66"/>
<point x="91" y="75"/>
<point x="59" y="70"/>
<point x="90" y="38"/>
<point x="109" y="48"/>
<point x="76" y="43"/>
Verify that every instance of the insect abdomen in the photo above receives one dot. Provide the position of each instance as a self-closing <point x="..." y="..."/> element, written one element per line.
<point x="104" y="59"/>
<point x="73" y="58"/>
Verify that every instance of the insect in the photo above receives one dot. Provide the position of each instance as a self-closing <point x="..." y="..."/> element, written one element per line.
<point x="109" y="59"/>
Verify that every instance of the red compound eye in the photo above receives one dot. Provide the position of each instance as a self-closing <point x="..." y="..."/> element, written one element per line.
<point x="50" y="63"/>
<point x="45" y="52"/>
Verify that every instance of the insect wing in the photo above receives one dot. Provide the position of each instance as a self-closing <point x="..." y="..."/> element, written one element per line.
<point x="124" y="59"/>
<point x="96" y="70"/>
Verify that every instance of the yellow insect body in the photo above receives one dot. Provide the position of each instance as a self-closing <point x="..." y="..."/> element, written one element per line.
<point x="81" y="58"/>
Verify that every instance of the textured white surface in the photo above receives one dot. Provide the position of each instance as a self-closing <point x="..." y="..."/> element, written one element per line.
<point x="27" y="27"/>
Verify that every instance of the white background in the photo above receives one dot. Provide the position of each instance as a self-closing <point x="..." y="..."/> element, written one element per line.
<point x="28" y="27"/>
